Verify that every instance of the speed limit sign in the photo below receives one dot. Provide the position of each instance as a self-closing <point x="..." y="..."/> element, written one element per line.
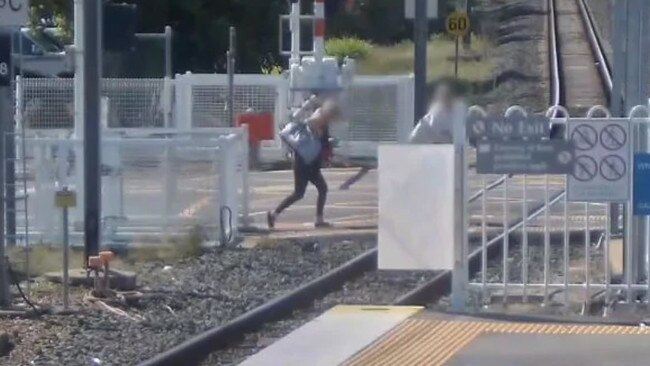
<point x="458" y="24"/>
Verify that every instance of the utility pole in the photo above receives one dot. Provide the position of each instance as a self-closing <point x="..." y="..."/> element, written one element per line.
<point x="420" y="38"/>
<point x="92" y="140"/>
<point x="467" y="40"/>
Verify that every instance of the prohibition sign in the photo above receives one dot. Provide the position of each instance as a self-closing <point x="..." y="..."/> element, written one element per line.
<point x="613" y="168"/>
<point x="613" y="137"/>
<point x="584" y="137"/>
<point x="585" y="169"/>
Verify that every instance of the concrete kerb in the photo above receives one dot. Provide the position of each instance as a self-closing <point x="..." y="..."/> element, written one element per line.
<point x="327" y="236"/>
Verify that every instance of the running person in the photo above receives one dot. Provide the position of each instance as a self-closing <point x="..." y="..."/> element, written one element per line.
<point x="310" y="172"/>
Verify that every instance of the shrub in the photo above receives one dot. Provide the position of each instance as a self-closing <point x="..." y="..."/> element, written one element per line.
<point x="272" y="70"/>
<point x="348" y="47"/>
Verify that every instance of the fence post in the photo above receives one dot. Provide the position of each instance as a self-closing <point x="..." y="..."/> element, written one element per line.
<point x="460" y="270"/>
<point x="246" y="220"/>
<point x="227" y="190"/>
<point x="167" y="101"/>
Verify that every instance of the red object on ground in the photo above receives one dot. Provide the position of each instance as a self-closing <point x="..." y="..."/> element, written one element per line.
<point x="260" y="126"/>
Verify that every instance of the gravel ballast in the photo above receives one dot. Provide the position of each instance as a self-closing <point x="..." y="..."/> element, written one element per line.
<point x="518" y="30"/>
<point x="375" y="288"/>
<point x="182" y="299"/>
<point x="602" y="12"/>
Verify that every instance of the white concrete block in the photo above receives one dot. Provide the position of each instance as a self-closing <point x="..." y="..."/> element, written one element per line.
<point x="416" y="207"/>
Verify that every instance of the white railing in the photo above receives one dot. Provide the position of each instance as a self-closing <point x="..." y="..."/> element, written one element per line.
<point x="155" y="185"/>
<point x="49" y="103"/>
<point x="380" y="108"/>
<point x="551" y="249"/>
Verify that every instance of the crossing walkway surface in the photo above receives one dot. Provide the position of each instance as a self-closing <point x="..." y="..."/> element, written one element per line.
<point x="357" y="207"/>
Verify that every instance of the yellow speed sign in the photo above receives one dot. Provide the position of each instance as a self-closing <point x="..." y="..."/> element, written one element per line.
<point x="458" y="24"/>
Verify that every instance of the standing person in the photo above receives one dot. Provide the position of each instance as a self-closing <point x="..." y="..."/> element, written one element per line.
<point x="437" y="126"/>
<point x="308" y="158"/>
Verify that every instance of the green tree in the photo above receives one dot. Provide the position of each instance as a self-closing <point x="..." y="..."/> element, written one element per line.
<point x="201" y="28"/>
<point x="57" y="13"/>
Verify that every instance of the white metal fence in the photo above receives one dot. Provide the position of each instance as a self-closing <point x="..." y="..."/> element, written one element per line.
<point x="532" y="244"/>
<point x="380" y="107"/>
<point x="49" y="103"/>
<point x="155" y="185"/>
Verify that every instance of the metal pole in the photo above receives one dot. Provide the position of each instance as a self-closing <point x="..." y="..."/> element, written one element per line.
<point x="420" y="38"/>
<point x="169" y="51"/>
<point x="92" y="140"/>
<point x="459" y="275"/>
<point x="456" y="59"/>
<point x="9" y="134"/>
<point x="66" y="260"/>
<point x="5" y="109"/>
<point x="633" y="21"/>
<point x="79" y="107"/>
<point x="6" y="118"/>
<point x="231" y="59"/>
<point x="467" y="40"/>
<point x="641" y="98"/>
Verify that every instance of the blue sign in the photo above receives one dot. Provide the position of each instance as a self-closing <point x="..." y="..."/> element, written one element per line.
<point x="642" y="184"/>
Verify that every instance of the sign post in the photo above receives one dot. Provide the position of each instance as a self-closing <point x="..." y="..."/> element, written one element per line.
<point x="420" y="40"/>
<point x="420" y="11"/>
<point x="458" y="25"/>
<point x="64" y="200"/>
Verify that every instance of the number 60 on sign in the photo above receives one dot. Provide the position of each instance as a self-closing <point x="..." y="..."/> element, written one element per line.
<point x="458" y="24"/>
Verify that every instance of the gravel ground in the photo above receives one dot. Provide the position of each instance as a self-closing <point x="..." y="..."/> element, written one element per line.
<point x="536" y="276"/>
<point x="186" y="298"/>
<point x="603" y="13"/>
<point x="376" y="288"/>
<point x="519" y="32"/>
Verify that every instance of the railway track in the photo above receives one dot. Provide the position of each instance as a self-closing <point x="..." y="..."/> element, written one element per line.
<point x="579" y="76"/>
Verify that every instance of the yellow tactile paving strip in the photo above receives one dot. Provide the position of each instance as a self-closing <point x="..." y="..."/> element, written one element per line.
<point x="434" y="342"/>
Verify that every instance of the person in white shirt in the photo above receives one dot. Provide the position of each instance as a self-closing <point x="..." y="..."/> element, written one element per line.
<point x="437" y="126"/>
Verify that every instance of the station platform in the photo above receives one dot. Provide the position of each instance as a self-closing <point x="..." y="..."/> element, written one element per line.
<point x="403" y="336"/>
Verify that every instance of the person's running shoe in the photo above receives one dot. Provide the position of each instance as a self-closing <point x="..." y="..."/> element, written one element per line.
<point x="322" y="224"/>
<point x="270" y="219"/>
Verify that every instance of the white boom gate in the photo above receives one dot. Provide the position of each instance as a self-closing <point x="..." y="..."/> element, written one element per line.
<point x="550" y="249"/>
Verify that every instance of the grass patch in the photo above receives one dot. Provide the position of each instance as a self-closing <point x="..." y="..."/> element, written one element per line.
<point x="48" y="258"/>
<point x="42" y="259"/>
<point x="398" y="59"/>
<point x="190" y="246"/>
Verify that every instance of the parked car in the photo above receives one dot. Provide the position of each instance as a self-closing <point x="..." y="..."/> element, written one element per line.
<point x="41" y="55"/>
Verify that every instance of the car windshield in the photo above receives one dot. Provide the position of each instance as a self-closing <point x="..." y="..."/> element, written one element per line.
<point x="43" y="41"/>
